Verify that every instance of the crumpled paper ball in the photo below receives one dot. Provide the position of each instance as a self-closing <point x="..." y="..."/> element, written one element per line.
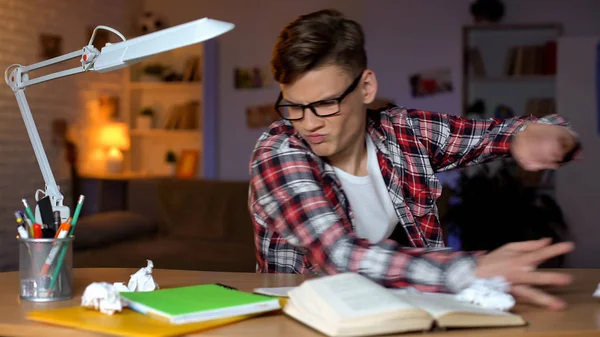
<point x="142" y="280"/>
<point x="102" y="296"/>
<point x="106" y="297"/>
<point x="488" y="293"/>
<point x="120" y="286"/>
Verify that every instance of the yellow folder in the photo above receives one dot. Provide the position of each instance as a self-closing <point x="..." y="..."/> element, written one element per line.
<point x="124" y="323"/>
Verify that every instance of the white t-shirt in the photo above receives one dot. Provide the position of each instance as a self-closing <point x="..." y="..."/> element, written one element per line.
<point x="374" y="214"/>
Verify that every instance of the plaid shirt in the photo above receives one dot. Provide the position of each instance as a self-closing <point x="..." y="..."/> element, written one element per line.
<point x="303" y="220"/>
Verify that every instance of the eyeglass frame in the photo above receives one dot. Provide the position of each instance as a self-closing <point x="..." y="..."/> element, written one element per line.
<point x="311" y="107"/>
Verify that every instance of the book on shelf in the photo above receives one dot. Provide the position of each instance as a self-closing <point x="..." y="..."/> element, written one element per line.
<point x="192" y="69"/>
<point x="350" y="304"/>
<point x="476" y="62"/>
<point x="531" y="60"/>
<point x="183" y="116"/>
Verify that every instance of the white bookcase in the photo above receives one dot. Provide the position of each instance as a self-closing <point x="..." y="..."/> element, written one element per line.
<point x="514" y="67"/>
<point x="177" y="123"/>
<point x="510" y="65"/>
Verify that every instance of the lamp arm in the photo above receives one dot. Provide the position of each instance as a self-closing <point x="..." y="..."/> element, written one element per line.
<point x="51" y="187"/>
<point x="17" y="77"/>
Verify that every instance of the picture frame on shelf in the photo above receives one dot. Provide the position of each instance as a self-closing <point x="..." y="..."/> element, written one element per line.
<point x="187" y="164"/>
<point x="431" y="82"/>
<point x="252" y="78"/>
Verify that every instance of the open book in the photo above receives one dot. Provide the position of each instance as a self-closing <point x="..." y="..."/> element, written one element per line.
<point x="350" y="304"/>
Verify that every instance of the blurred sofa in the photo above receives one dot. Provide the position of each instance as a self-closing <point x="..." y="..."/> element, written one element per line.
<point x="178" y="224"/>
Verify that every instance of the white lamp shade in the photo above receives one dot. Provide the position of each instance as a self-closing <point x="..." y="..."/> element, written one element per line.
<point x="122" y="54"/>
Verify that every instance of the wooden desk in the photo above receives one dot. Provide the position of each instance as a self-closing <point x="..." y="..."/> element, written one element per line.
<point x="581" y="319"/>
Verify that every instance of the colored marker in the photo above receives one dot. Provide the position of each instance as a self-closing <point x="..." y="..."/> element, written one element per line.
<point x="28" y="210"/>
<point x="37" y="231"/>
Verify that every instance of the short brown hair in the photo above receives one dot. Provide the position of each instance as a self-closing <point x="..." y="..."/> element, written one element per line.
<point x="317" y="39"/>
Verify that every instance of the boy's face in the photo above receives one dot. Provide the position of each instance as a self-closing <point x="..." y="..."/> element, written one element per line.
<point x="344" y="128"/>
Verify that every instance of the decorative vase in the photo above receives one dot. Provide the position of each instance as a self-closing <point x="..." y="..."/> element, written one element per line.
<point x="144" y="122"/>
<point x="171" y="169"/>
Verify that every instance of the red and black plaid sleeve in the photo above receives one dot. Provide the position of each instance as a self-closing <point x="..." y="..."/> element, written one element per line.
<point x="454" y="141"/>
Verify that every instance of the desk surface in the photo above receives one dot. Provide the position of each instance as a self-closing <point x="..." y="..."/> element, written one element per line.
<point x="581" y="319"/>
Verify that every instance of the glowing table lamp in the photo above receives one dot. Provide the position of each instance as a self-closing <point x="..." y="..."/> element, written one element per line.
<point x="114" y="137"/>
<point x="113" y="56"/>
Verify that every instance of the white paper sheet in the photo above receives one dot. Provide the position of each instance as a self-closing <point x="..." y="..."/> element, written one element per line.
<point x="278" y="291"/>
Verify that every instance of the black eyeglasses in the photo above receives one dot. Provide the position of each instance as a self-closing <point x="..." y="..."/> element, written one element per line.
<point x="323" y="108"/>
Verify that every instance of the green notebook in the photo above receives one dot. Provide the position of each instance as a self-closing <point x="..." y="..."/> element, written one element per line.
<point x="198" y="303"/>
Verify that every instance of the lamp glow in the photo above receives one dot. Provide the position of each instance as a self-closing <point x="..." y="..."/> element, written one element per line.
<point x="115" y="138"/>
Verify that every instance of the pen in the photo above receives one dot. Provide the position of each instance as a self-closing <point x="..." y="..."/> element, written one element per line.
<point x="28" y="210"/>
<point x="23" y="235"/>
<point x="24" y="218"/>
<point x="56" y="220"/>
<point x="53" y="252"/>
<point x="20" y="221"/>
<point x="22" y="232"/>
<point x="29" y="226"/>
<point x="64" y="227"/>
<point x="19" y="218"/>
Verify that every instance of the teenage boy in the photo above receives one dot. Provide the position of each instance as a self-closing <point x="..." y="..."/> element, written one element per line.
<point x="336" y="187"/>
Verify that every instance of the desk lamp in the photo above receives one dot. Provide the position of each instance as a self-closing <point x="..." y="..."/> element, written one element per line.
<point x="114" y="137"/>
<point x="113" y="56"/>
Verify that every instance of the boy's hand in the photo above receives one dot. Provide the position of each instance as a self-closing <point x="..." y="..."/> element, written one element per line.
<point x="542" y="146"/>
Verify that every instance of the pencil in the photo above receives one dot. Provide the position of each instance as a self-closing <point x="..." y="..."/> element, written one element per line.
<point x="76" y="214"/>
<point x="64" y="250"/>
<point x="28" y="210"/>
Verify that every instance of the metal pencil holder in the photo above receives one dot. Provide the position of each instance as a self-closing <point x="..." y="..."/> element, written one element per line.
<point x="45" y="269"/>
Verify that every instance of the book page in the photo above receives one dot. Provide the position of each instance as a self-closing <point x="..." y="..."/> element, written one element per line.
<point x="442" y="304"/>
<point x="351" y="295"/>
<point x="277" y="291"/>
